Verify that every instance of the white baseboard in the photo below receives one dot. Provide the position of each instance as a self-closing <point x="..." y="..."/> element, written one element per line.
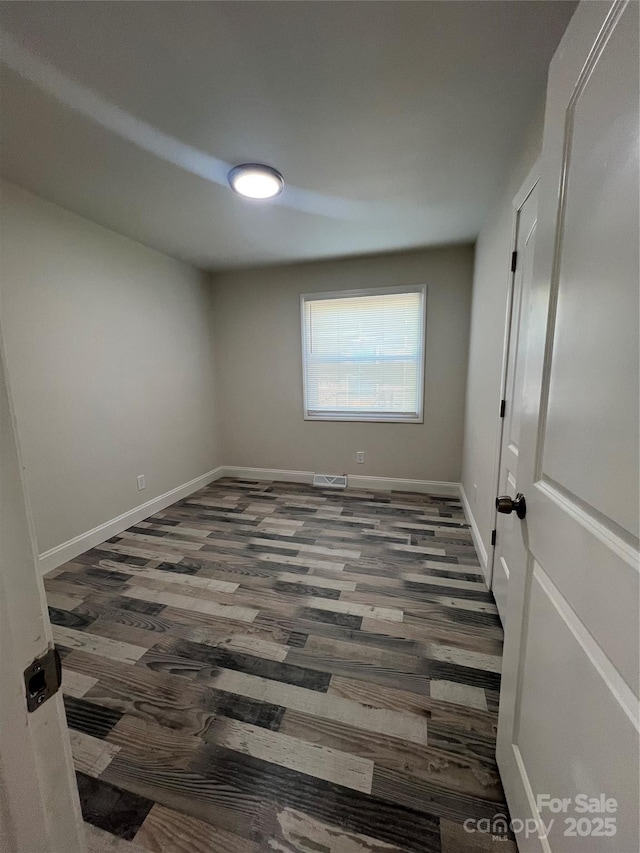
<point x="55" y="557"/>
<point x="355" y="481"/>
<point x="268" y="474"/>
<point x="427" y="487"/>
<point x="475" y="533"/>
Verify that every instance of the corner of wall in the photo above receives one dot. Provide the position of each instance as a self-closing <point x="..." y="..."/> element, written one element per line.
<point x="218" y="448"/>
<point x="475" y="535"/>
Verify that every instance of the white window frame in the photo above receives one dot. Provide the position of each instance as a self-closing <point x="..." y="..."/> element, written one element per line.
<point x="365" y="417"/>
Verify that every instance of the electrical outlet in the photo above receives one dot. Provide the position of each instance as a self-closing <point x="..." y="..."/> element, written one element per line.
<point x="360" y="456"/>
<point x="141" y="483"/>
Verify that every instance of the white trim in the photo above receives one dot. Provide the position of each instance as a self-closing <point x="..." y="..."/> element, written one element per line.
<point x="240" y="473"/>
<point x="354" y="481"/>
<point x="55" y="557"/>
<point x="362" y="416"/>
<point x="428" y="487"/>
<point x="364" y="291"/>
<point x="475" y="533"/>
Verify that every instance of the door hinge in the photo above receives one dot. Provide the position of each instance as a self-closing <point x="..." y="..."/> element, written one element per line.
<point x="503" y="406"/>
<point x="494" y="533"/>
<point x="42" y="678"/>
<point x="514" y="261"/>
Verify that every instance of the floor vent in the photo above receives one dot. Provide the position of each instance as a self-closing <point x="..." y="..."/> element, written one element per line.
<point x="330" y="481"/>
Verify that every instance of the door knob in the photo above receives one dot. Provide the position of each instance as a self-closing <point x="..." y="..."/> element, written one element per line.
<point x="507" y="505"/>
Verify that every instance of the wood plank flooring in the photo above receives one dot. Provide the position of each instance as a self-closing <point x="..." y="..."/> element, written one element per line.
<point x="265" y="667"/>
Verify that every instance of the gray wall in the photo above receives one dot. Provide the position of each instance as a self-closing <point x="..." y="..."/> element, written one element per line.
<point x="491" y="283"/>
<point x="110" y="364"/>
<point x="256" y="321"/>
<point x="117" y="357"/>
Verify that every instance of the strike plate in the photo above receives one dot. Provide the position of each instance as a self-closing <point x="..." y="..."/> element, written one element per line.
<point x="42" y="678"/>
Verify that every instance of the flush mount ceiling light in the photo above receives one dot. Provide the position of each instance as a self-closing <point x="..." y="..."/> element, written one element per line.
<point x="254" y="180"/>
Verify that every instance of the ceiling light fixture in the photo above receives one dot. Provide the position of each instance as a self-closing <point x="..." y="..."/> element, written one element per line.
<point x="254" y="180"/>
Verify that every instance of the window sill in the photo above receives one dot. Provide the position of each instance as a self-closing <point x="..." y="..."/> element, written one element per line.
<point x="366" y="419"/>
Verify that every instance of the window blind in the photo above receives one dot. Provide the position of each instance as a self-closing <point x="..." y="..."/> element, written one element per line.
<point x="363" y="354"/>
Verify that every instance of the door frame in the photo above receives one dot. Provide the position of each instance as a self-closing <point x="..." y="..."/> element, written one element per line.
<point x="527" y="187"/>
<point x="39" y="804"/>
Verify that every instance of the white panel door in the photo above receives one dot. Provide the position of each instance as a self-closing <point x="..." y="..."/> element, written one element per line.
<point x="39" y="808"/>
<point x="568" y="725"/>
<point x="509" y="546"/>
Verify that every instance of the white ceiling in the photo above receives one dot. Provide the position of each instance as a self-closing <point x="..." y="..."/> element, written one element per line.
<point x="390" y="121"/>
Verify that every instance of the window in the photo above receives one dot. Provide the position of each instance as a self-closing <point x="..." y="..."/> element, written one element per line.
<point x="363" y="354"/>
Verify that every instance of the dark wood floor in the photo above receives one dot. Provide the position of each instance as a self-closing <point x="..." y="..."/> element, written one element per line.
<point x="272" y="667"/>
